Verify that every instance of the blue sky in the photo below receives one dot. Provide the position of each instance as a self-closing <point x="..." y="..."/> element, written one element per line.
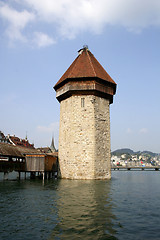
<point x="40" y="39"/>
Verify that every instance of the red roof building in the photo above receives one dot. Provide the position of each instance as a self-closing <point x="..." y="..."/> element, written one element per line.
<point x="85" y="74"/>
<point x="20" y="142"/>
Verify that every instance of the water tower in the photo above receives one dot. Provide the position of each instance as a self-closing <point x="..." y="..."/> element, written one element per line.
<point x="85" y="92"/>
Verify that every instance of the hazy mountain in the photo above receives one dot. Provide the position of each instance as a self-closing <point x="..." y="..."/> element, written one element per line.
<point x="121" y="151"/>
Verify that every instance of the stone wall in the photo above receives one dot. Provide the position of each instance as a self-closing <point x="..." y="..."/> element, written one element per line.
<point x="84" y="138"/>
<point x="102" y="139"/>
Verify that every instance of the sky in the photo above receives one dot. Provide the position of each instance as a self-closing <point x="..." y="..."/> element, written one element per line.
<point x="40" y="39"/>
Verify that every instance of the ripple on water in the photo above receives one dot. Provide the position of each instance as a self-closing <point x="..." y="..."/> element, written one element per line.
<point x="127" y="207"/>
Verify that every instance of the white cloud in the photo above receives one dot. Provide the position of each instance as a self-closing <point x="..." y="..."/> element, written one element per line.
<point x="42" y="40"/>
<point x="69" y="17"/>
<point x="17" y="21"/>
<point x="44" y="134"/>
<point x="73" y="16"/>
<point x="143" y="130"/>
<point x="129" y="130"/>
<point x="53" y="127"/>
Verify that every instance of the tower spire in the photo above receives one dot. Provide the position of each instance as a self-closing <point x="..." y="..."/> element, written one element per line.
<point x="52" y="147"/>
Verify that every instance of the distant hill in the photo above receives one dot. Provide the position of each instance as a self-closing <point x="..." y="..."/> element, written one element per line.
<point x="149" y="153"/>
<point x="121" y="151"/>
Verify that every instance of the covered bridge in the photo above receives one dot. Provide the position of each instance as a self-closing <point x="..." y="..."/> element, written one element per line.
<point x="21" y="159"/>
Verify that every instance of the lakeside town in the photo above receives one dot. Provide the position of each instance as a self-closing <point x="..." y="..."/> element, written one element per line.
<point x="127" y="157"/>
<point x="122" y="157"/>
<point x="20" y="142"/>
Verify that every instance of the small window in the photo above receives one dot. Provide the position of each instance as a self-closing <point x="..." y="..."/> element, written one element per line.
<point x="82" y="102"/>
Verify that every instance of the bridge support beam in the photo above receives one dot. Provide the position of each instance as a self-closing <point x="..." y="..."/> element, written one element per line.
<point x="5" y="177"/>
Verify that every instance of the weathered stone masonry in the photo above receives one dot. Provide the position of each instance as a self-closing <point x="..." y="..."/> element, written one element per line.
<point x="84" y="153"/>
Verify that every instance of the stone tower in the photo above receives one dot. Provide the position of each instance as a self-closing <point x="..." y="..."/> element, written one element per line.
<point x="85" y="92"/>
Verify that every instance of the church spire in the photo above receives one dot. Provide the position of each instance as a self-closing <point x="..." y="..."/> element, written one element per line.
<point x="52" y="147"/>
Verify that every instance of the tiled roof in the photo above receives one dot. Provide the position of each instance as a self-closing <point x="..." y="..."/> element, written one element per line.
<point x="15" y="151"/>
<point x="9" y="150"/>
<point x="21" y="142"/>
<point x="85" y="66"/>
<point x="44" y="149"/>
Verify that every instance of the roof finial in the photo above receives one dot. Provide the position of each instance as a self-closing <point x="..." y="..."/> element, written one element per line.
<point x="85" y="46"/>
<point x="26" y="136"/>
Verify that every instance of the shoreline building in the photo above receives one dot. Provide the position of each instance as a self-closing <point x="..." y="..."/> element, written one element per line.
<point x="16" y="141"/>
<point x="3" y="138"/>
<point x="85" y="92"/>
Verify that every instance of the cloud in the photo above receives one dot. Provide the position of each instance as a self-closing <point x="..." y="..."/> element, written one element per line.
<point x="17" y="21"/>
<point x="42" y="39"/>
<point x="73" y="16"/>
<point x="143" y="130"/>
<point x="52" y="127"/>
<point x="44" y="134"/>
<point x="129" y="130"/>
<point x="67" y="18"/>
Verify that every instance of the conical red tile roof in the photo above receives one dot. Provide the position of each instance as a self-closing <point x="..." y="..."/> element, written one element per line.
<point x="85" y="66"/>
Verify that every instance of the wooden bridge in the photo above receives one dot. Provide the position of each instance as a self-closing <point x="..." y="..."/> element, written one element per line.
<point x="11" y="159"/>
<point x="21" y="159"/>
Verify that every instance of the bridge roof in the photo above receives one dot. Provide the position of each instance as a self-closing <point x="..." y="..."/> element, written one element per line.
<point x="14" y="151"/>
<point x="9" y="150"/>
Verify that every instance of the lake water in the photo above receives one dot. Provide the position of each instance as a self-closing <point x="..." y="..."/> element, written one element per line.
<point x="126" y="207"/>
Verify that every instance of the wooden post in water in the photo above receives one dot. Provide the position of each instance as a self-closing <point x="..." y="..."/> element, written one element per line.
<point x="43" y="175"/>
<point x="5" y="176"/>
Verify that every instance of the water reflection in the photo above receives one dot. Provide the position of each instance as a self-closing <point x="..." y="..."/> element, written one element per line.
<point x="127" y="207"/>
<point x="84" y="210"/>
